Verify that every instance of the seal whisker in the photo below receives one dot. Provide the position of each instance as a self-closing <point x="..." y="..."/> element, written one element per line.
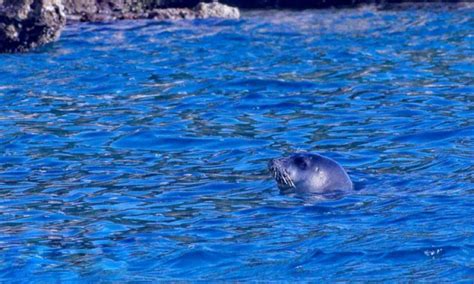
<point x="290" y="181"/>
<point x="287" y="179"/>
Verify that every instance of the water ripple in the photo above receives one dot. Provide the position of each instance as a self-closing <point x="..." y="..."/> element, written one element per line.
<point x="137" y="151"/>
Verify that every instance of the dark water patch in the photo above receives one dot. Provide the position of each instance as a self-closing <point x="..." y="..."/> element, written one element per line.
<point x="433" y="136"/>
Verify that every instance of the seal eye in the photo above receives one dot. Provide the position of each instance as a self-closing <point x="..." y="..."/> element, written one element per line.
<point x="301" y="163"/>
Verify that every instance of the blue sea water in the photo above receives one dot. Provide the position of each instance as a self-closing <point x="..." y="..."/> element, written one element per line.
<point x="137" y="151"/>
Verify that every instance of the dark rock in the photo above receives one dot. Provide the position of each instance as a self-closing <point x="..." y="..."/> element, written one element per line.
<point x="80" y="7"/>
<point x="172" y="14"/>
<point x="26" y="24"/>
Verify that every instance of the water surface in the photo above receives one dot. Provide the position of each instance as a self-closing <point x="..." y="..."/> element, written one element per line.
<point x="137" y="151"/>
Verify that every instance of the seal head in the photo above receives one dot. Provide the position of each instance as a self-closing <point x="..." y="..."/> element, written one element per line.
<point x="309" y="173"/>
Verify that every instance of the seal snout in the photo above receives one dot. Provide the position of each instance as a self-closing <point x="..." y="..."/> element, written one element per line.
<point x="278" y="171"/>
<point x="272" y="167"/>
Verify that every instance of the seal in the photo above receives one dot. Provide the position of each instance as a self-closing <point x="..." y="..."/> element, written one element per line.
<point x="309" y="173"/>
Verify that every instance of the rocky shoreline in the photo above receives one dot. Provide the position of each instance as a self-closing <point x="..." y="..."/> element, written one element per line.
<point x="201" y="10"/>
<point x="27" y="24"/>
